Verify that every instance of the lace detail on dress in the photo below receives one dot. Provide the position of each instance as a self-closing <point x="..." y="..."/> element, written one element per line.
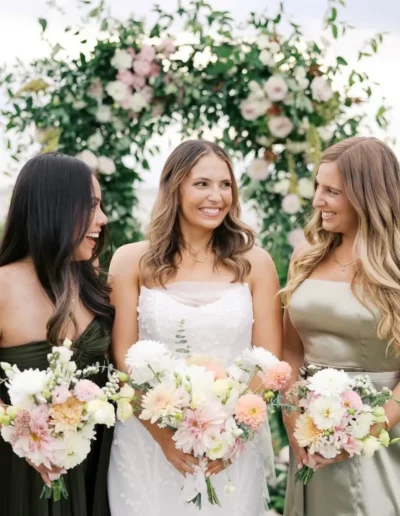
<point x="198" y="318"/>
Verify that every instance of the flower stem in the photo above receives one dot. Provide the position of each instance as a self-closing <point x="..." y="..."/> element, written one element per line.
<point x="56" y="491"/>
<point x="304" y="475"/>
<point x="212" y="494"/>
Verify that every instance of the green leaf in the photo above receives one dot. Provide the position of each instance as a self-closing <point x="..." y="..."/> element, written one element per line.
<point x="341" y="61"/>
<point x="43" y="24"/>
<point x="334" y="31"/>
<point x="333" y="14"/>
<point x="104" y="25"/>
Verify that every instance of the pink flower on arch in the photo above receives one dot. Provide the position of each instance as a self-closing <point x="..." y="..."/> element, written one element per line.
<point x="142" y="68"/>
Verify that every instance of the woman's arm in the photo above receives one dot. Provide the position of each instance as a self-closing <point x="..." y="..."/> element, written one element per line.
<point x="125" y="284"/>
<point x="267" y="309"/>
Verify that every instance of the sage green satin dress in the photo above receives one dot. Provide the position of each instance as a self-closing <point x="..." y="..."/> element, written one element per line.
<point x="20" y="484"/>
<point x="338" y="331"/>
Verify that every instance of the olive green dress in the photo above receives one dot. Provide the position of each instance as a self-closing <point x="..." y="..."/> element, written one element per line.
<point x="20" y="484"/>
<point x="338" y="331"/>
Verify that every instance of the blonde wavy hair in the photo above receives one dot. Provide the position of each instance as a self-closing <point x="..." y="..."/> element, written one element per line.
<point x="371" y="181"/>
<point x="229" y="242"/>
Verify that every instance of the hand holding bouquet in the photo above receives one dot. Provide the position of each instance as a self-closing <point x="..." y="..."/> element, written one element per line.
<point x="337" y="414"/>
<point x="53" y="412"/>
<point x="212" y="410"/>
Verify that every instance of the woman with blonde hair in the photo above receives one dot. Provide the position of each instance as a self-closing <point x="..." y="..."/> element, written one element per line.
<point x="343" y="311"/>
<point x="200" y="266"/>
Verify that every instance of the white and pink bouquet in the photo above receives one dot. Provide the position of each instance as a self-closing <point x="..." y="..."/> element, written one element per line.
<point x="53" y="412"/>
<point x="212" y="409"/>
<point x="337" y="414"/>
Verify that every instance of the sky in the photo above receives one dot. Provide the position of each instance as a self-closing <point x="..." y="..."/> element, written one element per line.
<point x="20" y="38"/>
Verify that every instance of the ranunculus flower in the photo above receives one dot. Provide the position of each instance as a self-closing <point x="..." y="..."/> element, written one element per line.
<point x="280" y="126"/>
<point x="276" y="88"/>
<point x="321" y="89"/>
<point x="291" y="204"/>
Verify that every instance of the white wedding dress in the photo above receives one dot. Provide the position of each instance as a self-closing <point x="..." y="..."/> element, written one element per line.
<point x="217" y="319"/>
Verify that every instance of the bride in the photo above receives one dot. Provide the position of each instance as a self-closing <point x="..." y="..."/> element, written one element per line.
<point x="199" y="266"/>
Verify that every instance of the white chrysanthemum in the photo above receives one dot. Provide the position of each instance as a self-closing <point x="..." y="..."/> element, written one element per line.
<point x="280" y="126"/>
<point x="26" y="384"/>
<point x="106" y="166"/>
<point x="145" y="358"/>
<point x="266" y="58"/>
<point x="253" y="109"/>
<point x="291" y="204"/>
<point x="330" y="382"/>
<point x="326" y="133"/>
<point x="117" y="90"/>
<point x="259" y="169"/>
<point x="260" y="357"/>
<point x="102" y="412"/>
<point x="370" y="446"/>
<point x="306" y="188"/>
<point x="95" y="141"/>
<point x="122" y="60"/>
<point x="361" y="426"/>
<point x="296" y="237"/>
<point x="88" y="158"/>
<point x="104" y="114"/>
<point x="326" y="412"/>
<point x="138" y="102"/>
<point x="282" y="186"/>
<point x="276" y="88"/>
<point x="321" y="89"/>
<point x="75" y="449"/>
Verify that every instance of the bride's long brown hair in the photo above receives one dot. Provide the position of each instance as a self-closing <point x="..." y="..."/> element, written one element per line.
<point x="229" y="241"/>
<point x="371" y="181"/>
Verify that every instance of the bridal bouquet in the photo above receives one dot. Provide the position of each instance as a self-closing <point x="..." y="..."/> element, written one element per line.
<point x="213" y="410"/>
<point x="53" y="412"/>
<point x="337" y="414"/>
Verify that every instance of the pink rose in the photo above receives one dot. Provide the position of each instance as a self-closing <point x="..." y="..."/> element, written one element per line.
<point x="126" y="77"/>
<point x="142" y="68"/>
<point x="155" y="70"/>
<point x="167" y="47"/>
<point x="138" y="82"/>
<point x="60" y="395"/>
<point x="148" y="53"/>
<point x="85" y="391"/>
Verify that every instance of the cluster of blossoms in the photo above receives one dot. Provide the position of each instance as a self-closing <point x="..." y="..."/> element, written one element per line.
<point x="53" y="413"/>
<point x="337" y="413"/>
<point x="213" y="409"/>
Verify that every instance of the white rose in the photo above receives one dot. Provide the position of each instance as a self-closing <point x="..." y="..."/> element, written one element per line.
<point x="321" y="90"/>
<point x="122" y="60"/>
<point x="102" y="412"/>
<point x="117" y="90"/>
<point x="88" y="158"/>
<point x="262" y="42"/>
<point x="276" y="88"/>
<point x="124" y="410"/>
<point x="95" y="141"/>
<point x="104" y="114"/>
<point x="291" y="204"/>
<point x="280" y="126"/>
<point x="64" y="353"/>
<point x="259" y="169"/>
<point x="266" y="58"/>
<point x="251" y="110"/>
<point x="138" y="102"/>
<point x="296" y="237"/>
<point x="282" y="186"/>
<point x="106" y="166"/>
<point x="370" y="446"/>
<point x="222" y="387"/>
<point x="306" y="188"/>
<point x="274" y="47"/>
<point x="326" y="133"/>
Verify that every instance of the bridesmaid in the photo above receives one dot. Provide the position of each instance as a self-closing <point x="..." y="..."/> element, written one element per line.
<point x="50" y="290"/>
<point x="342" y="300"/>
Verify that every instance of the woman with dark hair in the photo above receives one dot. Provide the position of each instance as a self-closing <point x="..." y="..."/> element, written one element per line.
<point x="199" y="265"/>
<point x="50" y="290"/>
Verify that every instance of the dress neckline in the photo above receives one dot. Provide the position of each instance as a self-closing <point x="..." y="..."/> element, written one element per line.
<point x="44" y="341"/>
<point x="328" y="281"/>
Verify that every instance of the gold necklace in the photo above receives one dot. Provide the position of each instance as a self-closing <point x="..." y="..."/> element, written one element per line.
<point x="343" y="266"/>
<point x="196" y="260"/>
